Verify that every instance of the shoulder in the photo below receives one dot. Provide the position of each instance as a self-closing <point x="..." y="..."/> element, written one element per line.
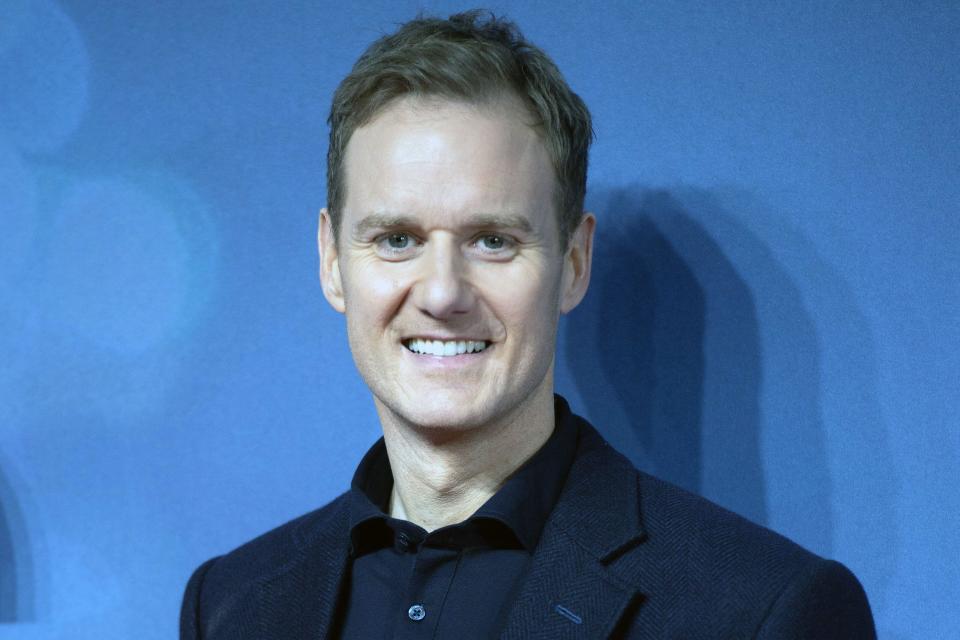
<point x="232" y="577"/>
<point x="675" y="526"/>
<point x="680" y="524"/>
<point x="696" y="563"/>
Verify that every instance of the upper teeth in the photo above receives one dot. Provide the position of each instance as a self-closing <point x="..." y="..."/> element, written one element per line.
<point x="445" y="347"/>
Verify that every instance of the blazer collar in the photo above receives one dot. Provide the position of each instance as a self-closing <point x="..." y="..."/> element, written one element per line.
<point x="600" y="503"/>
<point x="301" y="600"/>
<point x="572" y="589"/>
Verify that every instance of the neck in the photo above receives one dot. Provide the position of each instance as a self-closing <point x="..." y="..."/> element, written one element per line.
<point x="443" y="481"/>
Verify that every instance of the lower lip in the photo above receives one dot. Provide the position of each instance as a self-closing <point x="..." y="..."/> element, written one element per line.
<point x="445" y="362"/>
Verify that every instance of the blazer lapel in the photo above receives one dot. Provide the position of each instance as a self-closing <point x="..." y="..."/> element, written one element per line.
<point x="568" y="596"/>
<point x="571" y="591"/>
<point x="301" y="601"/>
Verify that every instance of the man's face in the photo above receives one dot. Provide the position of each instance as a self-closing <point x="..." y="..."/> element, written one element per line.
<point x="449" y="264"/>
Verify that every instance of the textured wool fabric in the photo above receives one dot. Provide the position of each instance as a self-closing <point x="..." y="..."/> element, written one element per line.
<point x="623" y="555"/>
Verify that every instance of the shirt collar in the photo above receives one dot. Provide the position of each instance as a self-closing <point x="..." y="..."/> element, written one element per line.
<point x="523" y="503"/>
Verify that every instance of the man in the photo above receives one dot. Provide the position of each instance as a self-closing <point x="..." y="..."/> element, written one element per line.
<point x="454" y="238"/>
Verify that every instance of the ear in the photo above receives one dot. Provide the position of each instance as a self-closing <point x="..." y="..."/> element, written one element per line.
<point x="576" y="264"/>
<point x="329" y="262"/>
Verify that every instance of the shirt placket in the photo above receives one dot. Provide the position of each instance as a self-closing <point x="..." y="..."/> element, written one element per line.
<point x="427" y="589"/>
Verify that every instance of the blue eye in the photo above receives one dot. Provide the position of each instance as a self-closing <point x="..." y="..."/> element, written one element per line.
<point x="397" y="245"/>
<point x="398" y="240"/>
<point x="492" y="242"/>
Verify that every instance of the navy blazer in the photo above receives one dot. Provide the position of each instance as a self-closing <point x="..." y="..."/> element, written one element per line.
<point x="623" y="555"/>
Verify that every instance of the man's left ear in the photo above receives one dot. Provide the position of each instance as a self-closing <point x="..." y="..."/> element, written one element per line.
<point x="576" y="264"/>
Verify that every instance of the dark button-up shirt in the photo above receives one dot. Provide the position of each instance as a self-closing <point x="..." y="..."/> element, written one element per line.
<point x="458" y="581"/>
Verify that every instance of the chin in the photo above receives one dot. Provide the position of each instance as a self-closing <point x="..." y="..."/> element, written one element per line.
<point x="451" y="413"/>
<point x="446" y="418"/>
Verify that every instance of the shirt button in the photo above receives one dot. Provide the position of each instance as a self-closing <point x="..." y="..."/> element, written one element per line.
<point x="403" y="541"/>
<point x="417" y="612"/>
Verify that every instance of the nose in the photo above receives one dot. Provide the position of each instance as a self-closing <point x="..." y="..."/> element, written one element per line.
<point x="443" y="290"/>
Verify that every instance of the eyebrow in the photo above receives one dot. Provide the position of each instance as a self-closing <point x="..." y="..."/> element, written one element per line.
<point x="479" y="221"/>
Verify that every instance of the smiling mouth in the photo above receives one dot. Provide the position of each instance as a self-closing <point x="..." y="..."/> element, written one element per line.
<point x="444" y="348"/>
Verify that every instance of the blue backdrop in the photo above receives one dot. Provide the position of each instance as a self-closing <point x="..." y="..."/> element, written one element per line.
<point x="774" y="320"/>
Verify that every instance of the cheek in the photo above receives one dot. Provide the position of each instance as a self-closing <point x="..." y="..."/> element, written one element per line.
<point x="530" y="305"/>
<point x="372" y="292"/>
<point x="372" y="298"/>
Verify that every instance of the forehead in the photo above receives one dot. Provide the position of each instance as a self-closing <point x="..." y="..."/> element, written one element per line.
<point x="440" y="159"/>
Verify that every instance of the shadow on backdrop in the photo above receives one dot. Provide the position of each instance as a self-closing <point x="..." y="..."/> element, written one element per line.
<point x="830" y="464"/>
<point x="16" y="567"/>
<point x="666" y="353"/>
<point x="635" y="346"/>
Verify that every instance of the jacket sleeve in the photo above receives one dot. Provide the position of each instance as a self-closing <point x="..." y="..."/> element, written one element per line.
<point x="190" y="620"/>
<point x="824" y="601"/>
